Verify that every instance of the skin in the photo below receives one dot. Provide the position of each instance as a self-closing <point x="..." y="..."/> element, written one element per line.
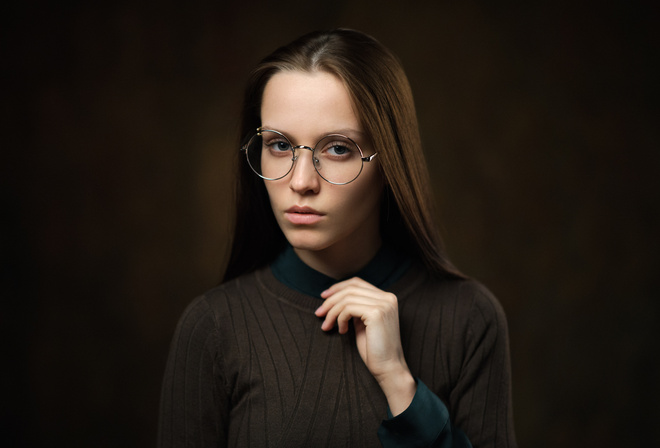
<point x="306" y="106"/>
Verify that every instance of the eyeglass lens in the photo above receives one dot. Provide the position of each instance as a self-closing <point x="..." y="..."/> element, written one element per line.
<point x="336" y="158"/>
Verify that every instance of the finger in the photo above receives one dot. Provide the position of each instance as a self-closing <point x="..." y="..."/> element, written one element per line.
<point x="354" y="290"/>
<point x="358" y="306"/>
<point x="376" y="313"/>
<point x="367" y="314"/>
<point x="348" y="313"/>
<point x="348" y="293"/>
<point x="355" y="281"/>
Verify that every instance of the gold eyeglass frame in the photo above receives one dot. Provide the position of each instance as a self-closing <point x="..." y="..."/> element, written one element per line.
<point x="244" y="148"/>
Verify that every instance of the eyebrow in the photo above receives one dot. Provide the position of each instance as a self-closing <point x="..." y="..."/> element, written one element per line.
<point x="349" y="132"/>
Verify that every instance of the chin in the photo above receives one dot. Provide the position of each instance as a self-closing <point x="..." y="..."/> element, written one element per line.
<point x="307" y="245"/>
<point x="306" y="241"/>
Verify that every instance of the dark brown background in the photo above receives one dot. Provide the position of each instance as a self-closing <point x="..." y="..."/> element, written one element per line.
<point x="540" y="122"/>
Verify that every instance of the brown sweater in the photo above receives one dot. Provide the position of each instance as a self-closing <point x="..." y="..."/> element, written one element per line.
<point x="250" y="366"/>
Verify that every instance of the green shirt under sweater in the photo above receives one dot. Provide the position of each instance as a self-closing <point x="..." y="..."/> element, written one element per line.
<point x="250" y="365"/>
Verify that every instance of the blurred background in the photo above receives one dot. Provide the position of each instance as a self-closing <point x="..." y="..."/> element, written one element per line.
<point x="540" y="125"/>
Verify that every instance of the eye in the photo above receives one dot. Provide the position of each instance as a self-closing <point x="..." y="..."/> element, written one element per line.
<point x="282" y="146"/>
<point x="338" y="148"/>
<point x="278" y="145"/>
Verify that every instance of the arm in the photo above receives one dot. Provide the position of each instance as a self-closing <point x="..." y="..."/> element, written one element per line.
<point x="418" y="417"/>
<point x="193" y="408"/>
<point x="469" y="366"/>
<point x="480" y="398"/>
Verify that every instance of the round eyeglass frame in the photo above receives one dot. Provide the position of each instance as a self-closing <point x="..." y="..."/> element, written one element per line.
<point x="363" y="159"/>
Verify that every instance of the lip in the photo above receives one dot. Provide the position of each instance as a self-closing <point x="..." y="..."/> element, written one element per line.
<point x="300" y="215"/>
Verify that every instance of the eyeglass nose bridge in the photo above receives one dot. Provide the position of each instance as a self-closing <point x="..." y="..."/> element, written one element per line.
<point x="295" y="156"/>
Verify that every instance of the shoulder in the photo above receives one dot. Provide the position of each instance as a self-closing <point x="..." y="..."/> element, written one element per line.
<point x="480" y="302"/>
<point x="445" y="323"/>
<point x="468" y="295"/>
<point x="479" y="316"/>
<point x="467" y="303"/>
<point x="212" y="308"/>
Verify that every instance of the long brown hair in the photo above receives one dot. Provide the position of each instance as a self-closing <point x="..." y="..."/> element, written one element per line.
<point x="383" y="100"/>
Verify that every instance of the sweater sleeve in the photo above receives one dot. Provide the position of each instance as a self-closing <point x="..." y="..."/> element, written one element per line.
<point x="194" y="405"/>
<point x="466" y="388"/>
<point x="425" y="423"/>
<point x="480" y="399"/>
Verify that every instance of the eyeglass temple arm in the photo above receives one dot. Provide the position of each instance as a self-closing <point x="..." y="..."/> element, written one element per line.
<point x="244" y="147"/>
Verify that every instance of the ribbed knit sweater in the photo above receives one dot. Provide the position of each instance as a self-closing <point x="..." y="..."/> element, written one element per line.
<point x="250" y="366"/>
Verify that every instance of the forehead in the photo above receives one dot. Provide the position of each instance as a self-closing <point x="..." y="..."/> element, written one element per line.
<point x="307" y="104"/>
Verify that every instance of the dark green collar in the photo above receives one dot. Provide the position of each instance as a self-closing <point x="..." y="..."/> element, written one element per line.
<point x="383" y="270"/>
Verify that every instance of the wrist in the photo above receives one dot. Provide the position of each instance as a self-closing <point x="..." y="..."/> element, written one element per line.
<point x="399" y="389"/>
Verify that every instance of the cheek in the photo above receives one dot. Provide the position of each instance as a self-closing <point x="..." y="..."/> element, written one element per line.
<point x="370" y="190"/>
<point x="274" y="192"/>
<point x="366" y="198"/>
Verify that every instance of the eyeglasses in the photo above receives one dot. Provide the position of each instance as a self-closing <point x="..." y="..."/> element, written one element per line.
<point x="337" y="158"/>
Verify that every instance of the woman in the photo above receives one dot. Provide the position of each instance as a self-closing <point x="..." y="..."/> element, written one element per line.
<point x="340" y="321"/>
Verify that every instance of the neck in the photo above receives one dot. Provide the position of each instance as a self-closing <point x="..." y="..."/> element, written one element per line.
<point x="340" y="261"/>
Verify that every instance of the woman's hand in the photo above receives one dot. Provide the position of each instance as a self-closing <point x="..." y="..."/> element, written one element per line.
<point x="375" y="315"/>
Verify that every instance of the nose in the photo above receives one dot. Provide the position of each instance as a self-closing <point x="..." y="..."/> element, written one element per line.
<point x="304" y="178"/>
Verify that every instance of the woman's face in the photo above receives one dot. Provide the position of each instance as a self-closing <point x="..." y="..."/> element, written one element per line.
<point x="339" y="223"/>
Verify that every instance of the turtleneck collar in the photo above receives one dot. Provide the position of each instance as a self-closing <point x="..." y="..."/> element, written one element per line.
<point x="383" y="270"/>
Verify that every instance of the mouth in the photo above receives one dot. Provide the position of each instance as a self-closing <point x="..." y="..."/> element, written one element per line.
<point x="303" y="215"/>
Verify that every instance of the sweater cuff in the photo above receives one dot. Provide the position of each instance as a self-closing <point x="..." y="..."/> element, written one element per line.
<point x="419" y="425"/>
